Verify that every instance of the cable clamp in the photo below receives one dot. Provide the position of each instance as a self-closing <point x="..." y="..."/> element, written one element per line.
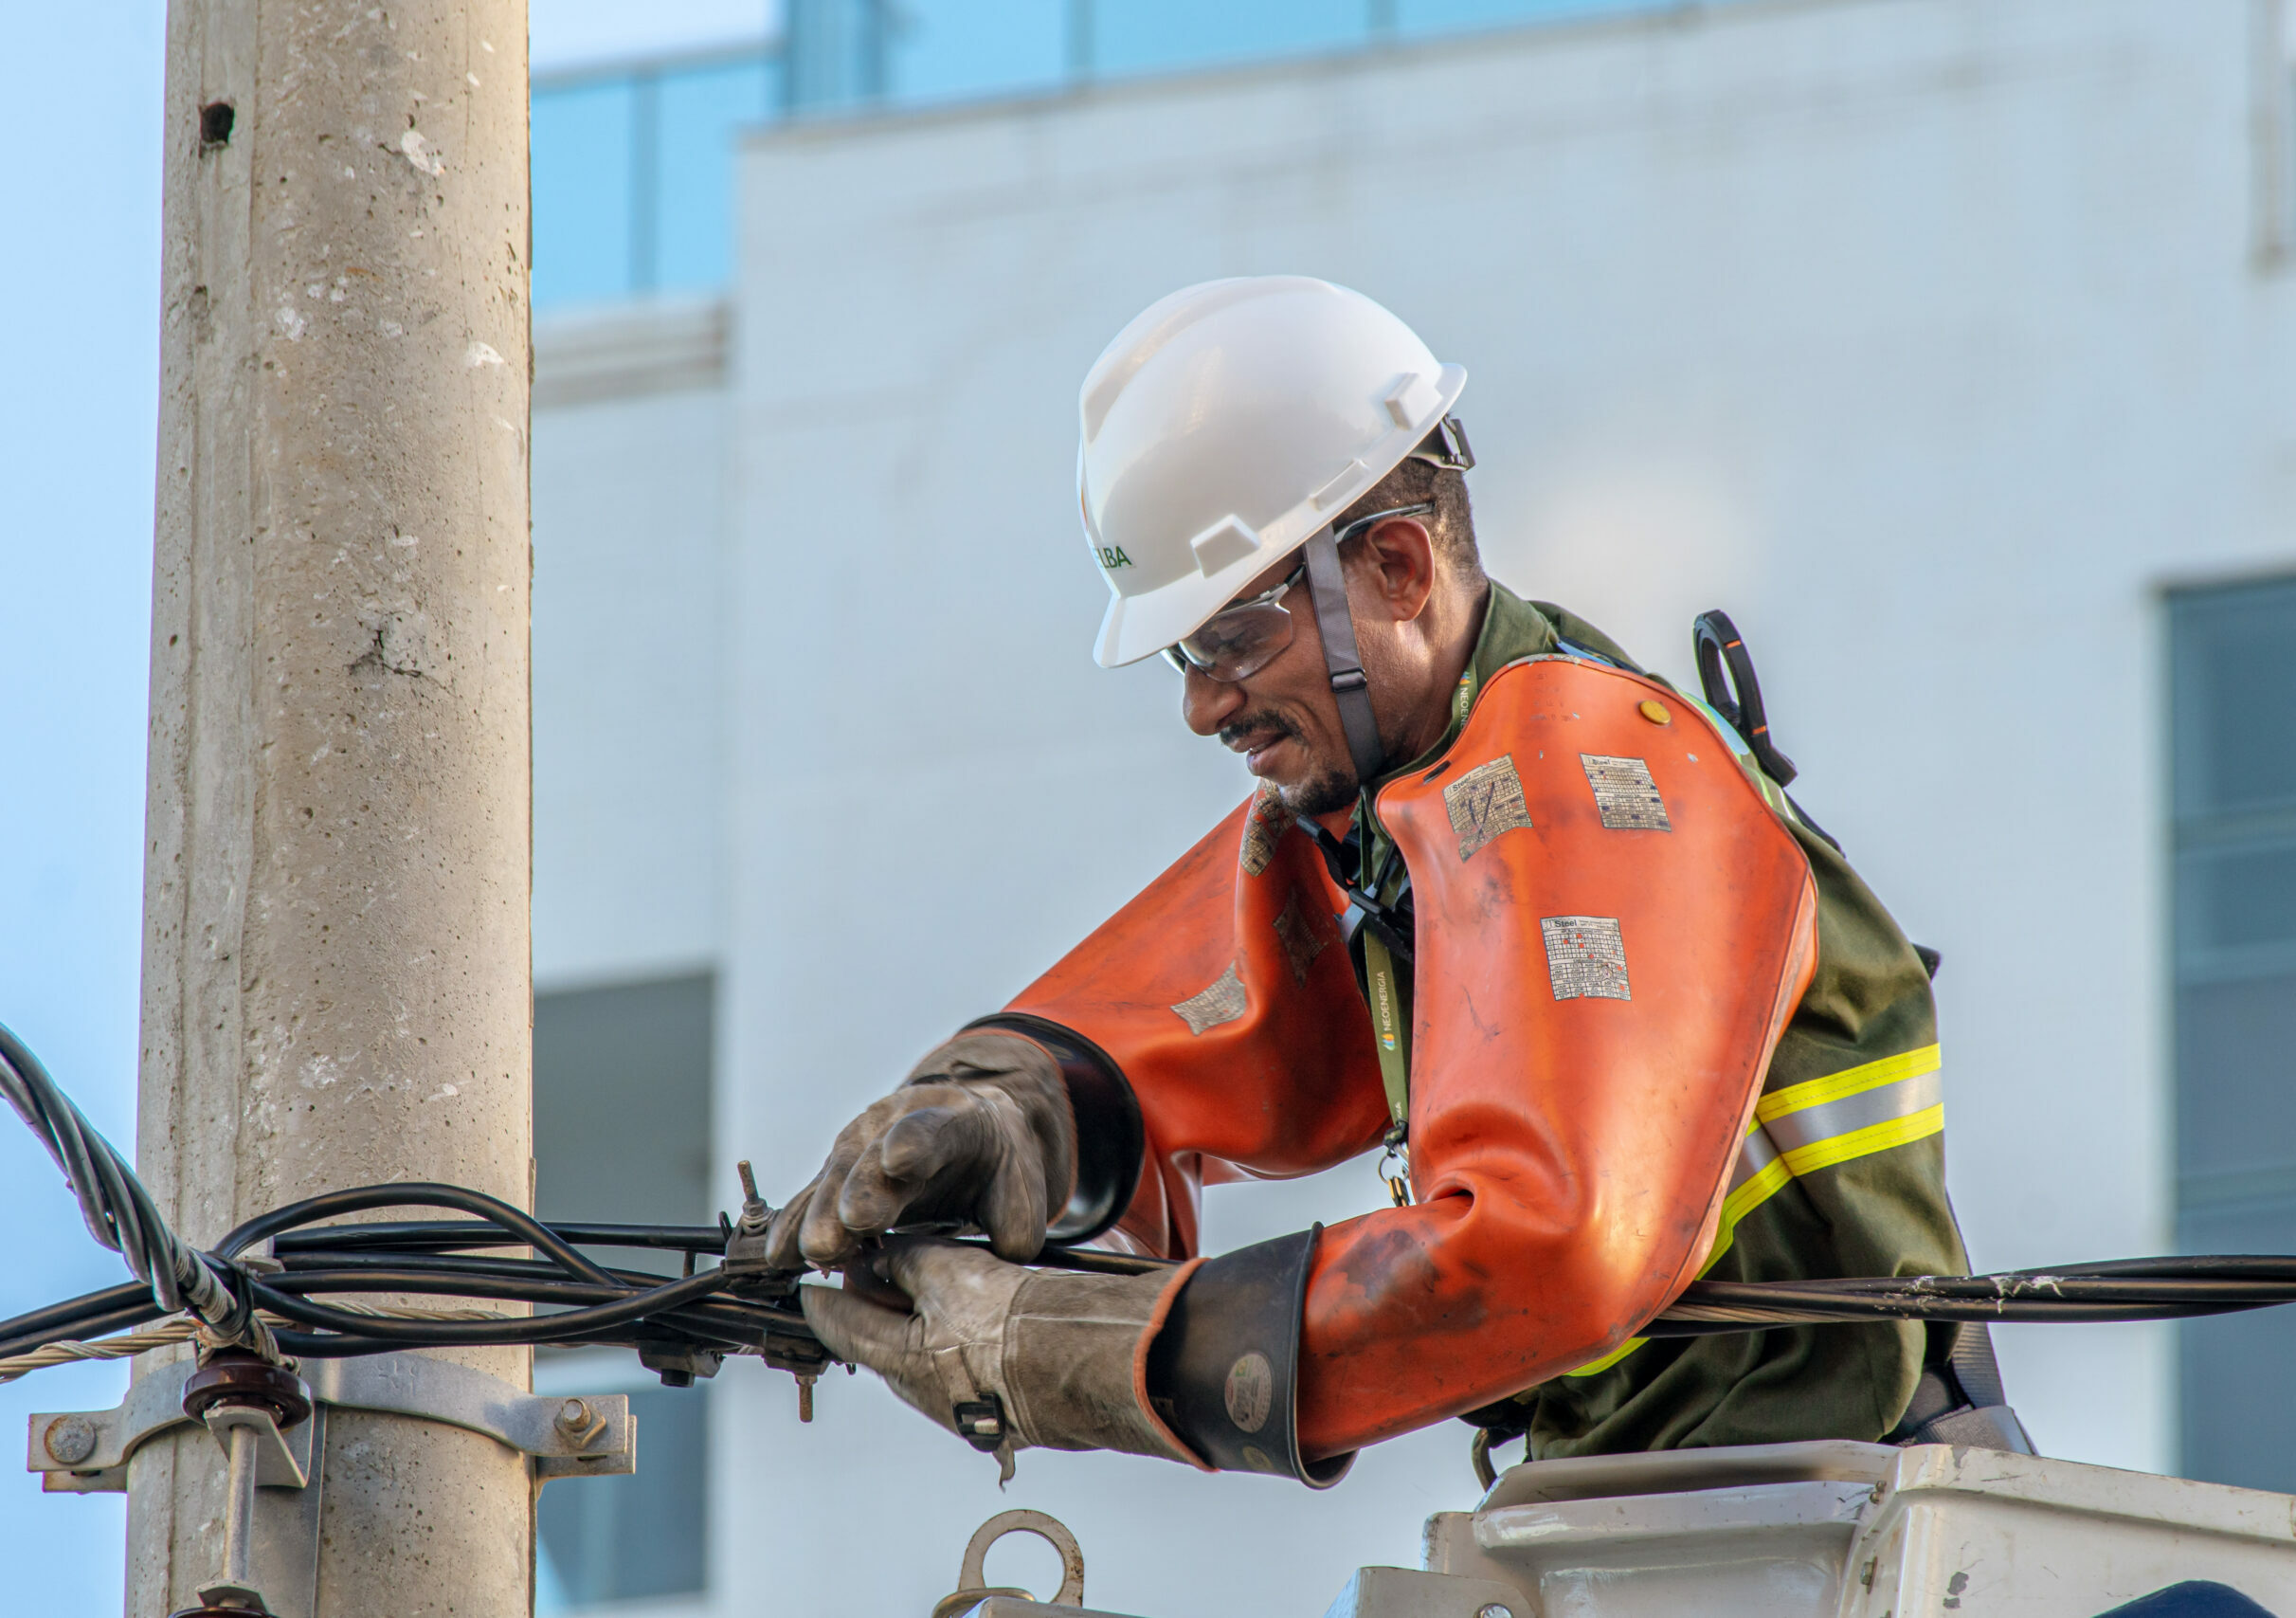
<point x="87" y="1451"/>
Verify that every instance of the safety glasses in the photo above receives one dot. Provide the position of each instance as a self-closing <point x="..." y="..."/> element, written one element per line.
<point x="1241" y="639"/>
<point x="1244" y="637"/>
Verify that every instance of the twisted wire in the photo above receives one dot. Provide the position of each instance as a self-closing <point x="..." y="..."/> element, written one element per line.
<point x="71" y="1350"/>
<point x="183" y="1328"/>
<point x="121" y="1215"/>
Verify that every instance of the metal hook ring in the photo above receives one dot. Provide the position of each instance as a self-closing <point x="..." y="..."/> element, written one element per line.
<point x="1398" y="1178"/>
<point x="974" y="1575"/>
<point x="1485" y="1439"/>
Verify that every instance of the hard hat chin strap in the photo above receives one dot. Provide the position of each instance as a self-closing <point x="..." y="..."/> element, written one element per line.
<point x="1328" y="589"/>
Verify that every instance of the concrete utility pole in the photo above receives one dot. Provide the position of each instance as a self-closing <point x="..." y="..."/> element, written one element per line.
<point x="337" y="976"/>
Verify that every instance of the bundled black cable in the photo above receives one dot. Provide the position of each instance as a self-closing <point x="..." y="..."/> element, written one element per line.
<point x="688" y="1315"/>
<point x="683" y="1325"/>
<point x="2123" y="1289"/>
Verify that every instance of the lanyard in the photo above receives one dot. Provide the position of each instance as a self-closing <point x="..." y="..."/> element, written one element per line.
<point x="1390" y="1012"/>
<point x="1391" y="1028"/>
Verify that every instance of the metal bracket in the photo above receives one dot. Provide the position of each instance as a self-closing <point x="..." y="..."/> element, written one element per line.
<point x="592" y="1436"/>
<point x="276" y="1466"/>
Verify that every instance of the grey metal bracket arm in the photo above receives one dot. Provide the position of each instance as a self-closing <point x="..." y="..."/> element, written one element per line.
<point x="591" y="1436"/>
<point x="278" y="1464"/>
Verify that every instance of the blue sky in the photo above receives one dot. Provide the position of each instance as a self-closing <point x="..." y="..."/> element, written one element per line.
<point x="80" y="361"/>
<point x="79" y="358"/>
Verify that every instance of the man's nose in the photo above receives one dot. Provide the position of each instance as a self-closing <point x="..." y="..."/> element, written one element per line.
<point x="1207" y="703"/>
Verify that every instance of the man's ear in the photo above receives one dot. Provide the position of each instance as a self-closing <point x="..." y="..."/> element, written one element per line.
<point x="1398" y="558"/>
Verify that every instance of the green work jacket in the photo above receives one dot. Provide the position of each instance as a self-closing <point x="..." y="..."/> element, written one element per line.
<point x="1843" y="1174"/>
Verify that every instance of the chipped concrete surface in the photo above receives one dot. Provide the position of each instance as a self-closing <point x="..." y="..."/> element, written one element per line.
<point x="335" y="965"/>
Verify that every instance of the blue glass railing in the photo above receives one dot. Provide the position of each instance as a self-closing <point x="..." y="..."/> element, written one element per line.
<point x="634" y="175"/>
<point x="633" y="166"/>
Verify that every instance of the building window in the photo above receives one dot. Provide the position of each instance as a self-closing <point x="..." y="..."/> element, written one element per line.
<point x="622" y="1135"/>
<point x="2233" y="747"/>
<point x="633" y="164"/>
<point x="633" y="176"/>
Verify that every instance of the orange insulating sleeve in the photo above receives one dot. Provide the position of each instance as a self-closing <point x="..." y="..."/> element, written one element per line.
<point x="1595" y="1005"/>
<point x="1285" y="1081"/>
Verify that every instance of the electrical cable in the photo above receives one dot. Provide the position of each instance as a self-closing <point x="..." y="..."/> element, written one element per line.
<point x="522" y="1229"/>
<point x="695" y="1319"/>
<point x="118" y="1211"/>
<point x="448" y="1235"/>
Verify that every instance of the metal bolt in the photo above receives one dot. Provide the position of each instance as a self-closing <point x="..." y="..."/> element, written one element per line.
<point x="1494" y="1610"/>
<point x="574" y="1417"/>
<point x="70" y="1439"/>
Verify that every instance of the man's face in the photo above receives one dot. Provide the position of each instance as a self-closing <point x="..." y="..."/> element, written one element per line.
<point x="1282" y="719"/>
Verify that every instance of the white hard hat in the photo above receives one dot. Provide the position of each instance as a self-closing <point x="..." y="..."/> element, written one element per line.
<point x="1227" y="424"/>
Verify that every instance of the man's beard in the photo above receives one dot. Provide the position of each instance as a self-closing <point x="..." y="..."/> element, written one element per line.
<point x="1317" y="796"/>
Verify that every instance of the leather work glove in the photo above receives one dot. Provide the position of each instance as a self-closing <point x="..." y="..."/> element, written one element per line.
<point x="1005" y="1357"/>
<point x="980" y="1131"/>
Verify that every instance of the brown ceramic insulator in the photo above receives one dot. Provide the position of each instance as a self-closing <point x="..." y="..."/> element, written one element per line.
<point x="236" y="1377"/>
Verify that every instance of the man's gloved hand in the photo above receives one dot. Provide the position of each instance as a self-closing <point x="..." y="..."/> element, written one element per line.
<point x="980" y="1131"/>
<point x="1057" y="1349"/>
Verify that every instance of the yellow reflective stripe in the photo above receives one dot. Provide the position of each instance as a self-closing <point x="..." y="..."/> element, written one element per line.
<point x="1762" y="1171"/>
<point x="1744" y="1197"/>
<point x="1834" y="1086"/>
<point x="1595" y="1367"/>
<point x="1759" y="1188"/>
<point x="1766" y="1183"/>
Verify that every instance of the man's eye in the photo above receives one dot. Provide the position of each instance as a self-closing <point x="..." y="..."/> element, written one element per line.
<point x="1217" y="641"/>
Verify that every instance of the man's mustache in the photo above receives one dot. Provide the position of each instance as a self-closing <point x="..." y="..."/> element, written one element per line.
<point x="1266" y="724"/>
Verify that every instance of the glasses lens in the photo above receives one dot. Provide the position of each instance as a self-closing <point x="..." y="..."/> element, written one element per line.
<point x="1238" y="643"/>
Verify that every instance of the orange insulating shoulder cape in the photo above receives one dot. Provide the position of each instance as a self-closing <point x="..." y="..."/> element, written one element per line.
<point x="1612" y="930"/>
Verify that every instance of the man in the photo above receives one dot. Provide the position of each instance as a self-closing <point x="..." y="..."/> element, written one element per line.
<point x="1502" y="903"/>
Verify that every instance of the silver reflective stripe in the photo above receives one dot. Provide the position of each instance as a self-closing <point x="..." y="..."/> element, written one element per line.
<point x="1861" y="1110"/>
<point x="1755" y="1153"/>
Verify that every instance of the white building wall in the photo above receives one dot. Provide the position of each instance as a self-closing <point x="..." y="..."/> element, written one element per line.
<point x="1931" y="338"/>
<point x="630" y="425"/>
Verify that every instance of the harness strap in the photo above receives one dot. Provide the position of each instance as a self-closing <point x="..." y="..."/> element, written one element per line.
<point x="1349" y="687"/>
<point x="1960" y="1398"/>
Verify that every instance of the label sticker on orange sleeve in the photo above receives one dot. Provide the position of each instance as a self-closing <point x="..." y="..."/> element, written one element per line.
<point x="1585" y="958"/>
<point x="1624" y="793"/>
<point x="1303" y="940"/>
<point x="1485" y="803"/>
<point x="1262" y="828"/>
<point x="1224" y="1002"/>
